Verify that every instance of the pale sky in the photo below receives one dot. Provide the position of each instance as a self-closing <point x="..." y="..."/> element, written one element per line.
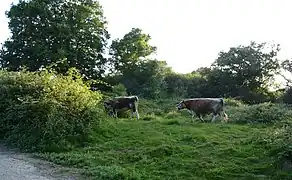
<point x="190" y="33"/>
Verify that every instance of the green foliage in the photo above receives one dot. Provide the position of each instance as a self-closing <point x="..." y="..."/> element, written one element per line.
<point x="279" y="141"/>
<point x="119" y="90"/>
<point x="157" y="107"/>
<point x="172" y="115"/>
<point x="147" y="80"/>
<point x="245" y="71"/>
<point x="127" y="52"/>
<point x="69" y="33"/>
<point x="266" y="113"/>
<point x="129" y="59"/>
<point x="45" y="111"/>
<point x="232" y="102"/>
<point x="149" y="117"/>
<point x="185" y="85"/>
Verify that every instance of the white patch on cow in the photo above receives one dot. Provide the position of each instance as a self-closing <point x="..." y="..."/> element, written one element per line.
<point x="137" y="115"/>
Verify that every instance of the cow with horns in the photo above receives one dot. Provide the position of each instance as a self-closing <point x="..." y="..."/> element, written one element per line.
<point x="116" y="104"/>
<point x="203" y="106"/>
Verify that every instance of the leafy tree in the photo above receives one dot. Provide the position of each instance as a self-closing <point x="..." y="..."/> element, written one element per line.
<point x="185" y="85"/>
<point x="146" y="80"/>
<point x="287" y="66"/>
<point x="127" y="53"/>
<point x="287" y="92"/>
<point x="132" y="66"/>
<point x="245" y="70"/>
<point x="150" y="76"/>
<point x="203" y="71"/>
<point x="67" y="33"/>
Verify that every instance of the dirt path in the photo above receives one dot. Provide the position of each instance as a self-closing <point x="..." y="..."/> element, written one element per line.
<point x="19" y="166"/>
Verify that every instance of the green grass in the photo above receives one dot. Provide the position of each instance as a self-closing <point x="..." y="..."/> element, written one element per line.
<point x="62" y="115"/>
<point x="173" y="149"/>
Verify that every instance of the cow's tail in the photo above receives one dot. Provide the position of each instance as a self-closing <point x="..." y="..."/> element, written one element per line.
<point x="221" y="102"/>
<point x="136" y="98"/>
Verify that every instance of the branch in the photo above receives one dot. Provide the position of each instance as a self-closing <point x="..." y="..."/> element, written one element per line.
<point x="288" y="81"/>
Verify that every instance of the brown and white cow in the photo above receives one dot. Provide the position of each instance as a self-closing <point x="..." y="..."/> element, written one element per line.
<point x="203" y="106"/>
<point x="120" y="103"/>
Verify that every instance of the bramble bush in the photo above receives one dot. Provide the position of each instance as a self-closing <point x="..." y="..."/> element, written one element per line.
<point x="44" y="111"/>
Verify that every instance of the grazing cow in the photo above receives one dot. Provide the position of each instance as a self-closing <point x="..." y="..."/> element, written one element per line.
<point x="203" y="106"/>
<point x="122" y="103"/>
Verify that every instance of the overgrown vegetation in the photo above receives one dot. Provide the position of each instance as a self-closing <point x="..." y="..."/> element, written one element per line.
<point x="60" y="117"/>
<point x="46" y="111"/>
<point x="54" y="108"/>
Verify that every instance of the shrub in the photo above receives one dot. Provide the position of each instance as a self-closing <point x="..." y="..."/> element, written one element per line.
<point x="119" y="90"/>
<point x="266" y="113"/>
<point x="172" y="114"/>
<point x="232" y="102"/>
<point x="149" y="117"/>
<point x="47" y="112"/>
<point x="279" y="140"/>
<point x="147" y="107"/>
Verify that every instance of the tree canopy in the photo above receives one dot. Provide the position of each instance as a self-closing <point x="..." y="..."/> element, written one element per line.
<point x="68" y="33"/>
<point x="61" y="34"/>
<point x="127" y="53"/>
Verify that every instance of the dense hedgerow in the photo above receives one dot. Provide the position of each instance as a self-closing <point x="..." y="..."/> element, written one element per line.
<point x="47" y="112"/>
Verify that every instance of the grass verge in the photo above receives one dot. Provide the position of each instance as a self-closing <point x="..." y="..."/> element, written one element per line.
<point x="162" y="149"/>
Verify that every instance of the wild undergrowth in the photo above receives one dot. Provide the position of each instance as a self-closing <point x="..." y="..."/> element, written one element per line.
<point x="46" y="112"/>
<point x="60" y="118"/>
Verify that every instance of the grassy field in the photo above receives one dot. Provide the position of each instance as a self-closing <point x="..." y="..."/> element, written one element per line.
<point x="62" y="120"/>
<point x="174" y="149"/>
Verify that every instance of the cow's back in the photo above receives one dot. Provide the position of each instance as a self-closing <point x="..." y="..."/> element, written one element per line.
<point x="203" y="105"/>
<point x="121" y="102"/>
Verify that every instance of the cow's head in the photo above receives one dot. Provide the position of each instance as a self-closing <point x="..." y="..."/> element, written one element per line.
<point x="181" y="105"/>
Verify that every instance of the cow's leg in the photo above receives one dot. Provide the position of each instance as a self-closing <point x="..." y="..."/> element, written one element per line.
<point x="190" y="112"/>
<point x="111" y="113"/>
<point x="193" y="114"/>
<point x="200" y="117"/>
<point x="131" y="109"/>
<point x="115" y="112"/>
<point x="225" y="116"/>
<point x="214" y="117"/>
<point x="134" y="110"/>
<point x="137" y="114"/>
